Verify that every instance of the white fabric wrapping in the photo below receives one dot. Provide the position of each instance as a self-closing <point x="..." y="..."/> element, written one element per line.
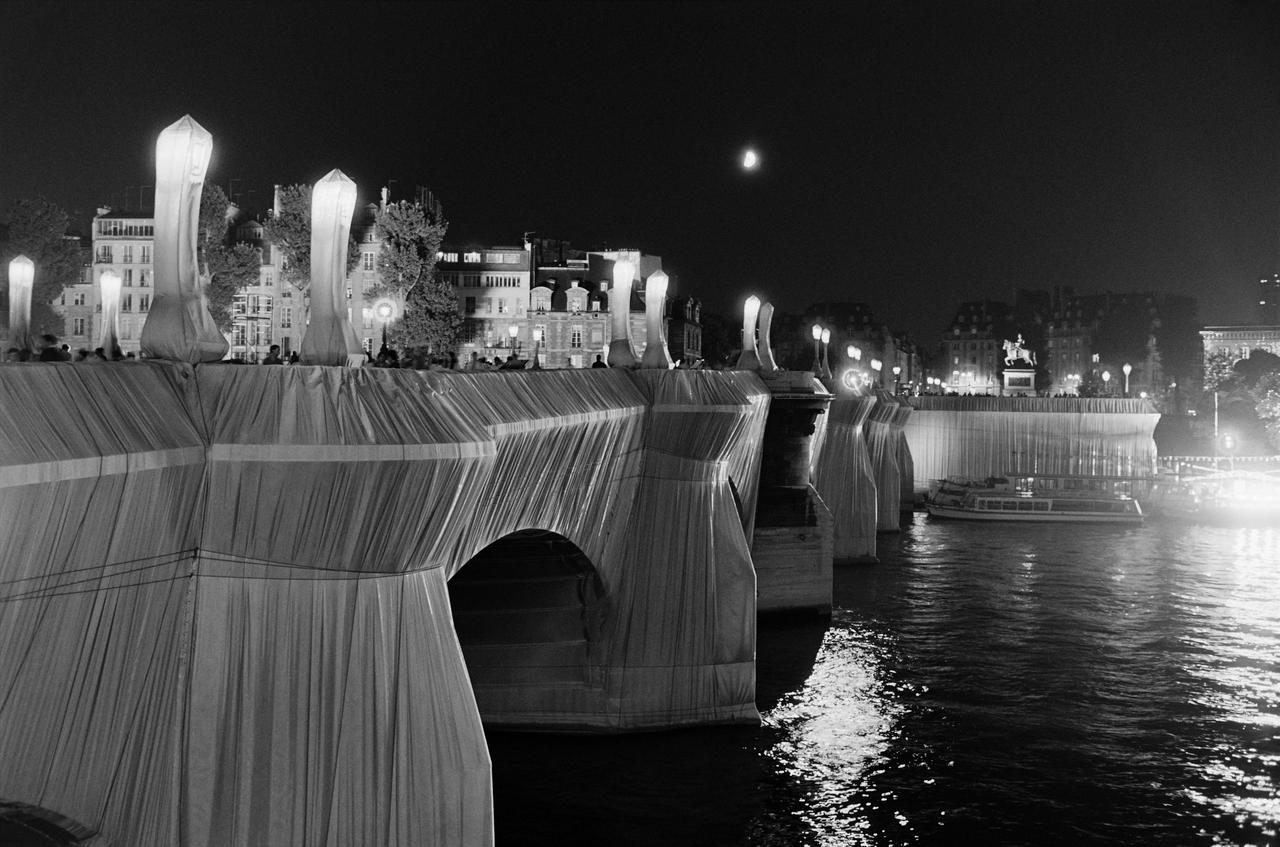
<point x="883" y="434"/>
<point x="223" y="591"/>
<point x="843" y="477"/>
<point x="987" y="436"/>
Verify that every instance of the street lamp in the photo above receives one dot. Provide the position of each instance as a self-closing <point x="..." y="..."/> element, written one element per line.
<point x="22" y="272"/>
<point x="513" y="331"/>
<point x="1106" y="382"/>
<point x="537" y="347"/>
<point x="1127" y="368"/>
<point x="816" y="331"/>
<point x="855" y="352"/>
<point x="384" y="309"/>
<point x="109" y="286"/>
<point x="897" y="372"/>
<point x="826" y="347"/>
<point x="876" y="365"/>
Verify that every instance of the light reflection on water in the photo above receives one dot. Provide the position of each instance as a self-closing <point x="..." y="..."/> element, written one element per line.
<point x="834" y="730"/>
<point x="1053" y="685"/>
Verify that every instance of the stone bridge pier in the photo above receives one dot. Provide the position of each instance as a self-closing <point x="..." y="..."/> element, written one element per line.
<point x="225" y="591"/>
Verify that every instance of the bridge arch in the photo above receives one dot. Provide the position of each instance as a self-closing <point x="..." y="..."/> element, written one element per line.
<point x="23" y="825"/>
<point x="528" y="610"/>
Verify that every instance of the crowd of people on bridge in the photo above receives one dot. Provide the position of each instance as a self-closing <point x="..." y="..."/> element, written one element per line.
<point x="51" y="351"/>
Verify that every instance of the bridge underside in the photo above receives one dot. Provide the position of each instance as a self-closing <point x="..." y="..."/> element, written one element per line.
<point x="226" y="596"/>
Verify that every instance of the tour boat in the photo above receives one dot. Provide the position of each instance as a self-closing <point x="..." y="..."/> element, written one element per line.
<point x="1001" y="498"/>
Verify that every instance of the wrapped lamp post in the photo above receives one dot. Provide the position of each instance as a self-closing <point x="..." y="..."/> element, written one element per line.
<point x="816" y="332"/>
<point x="826" y="348"/>
<point x="621" y="355"/>
<point x="655" y="336"/>
<point x="179" y="325"/>
<point x="330" y="340"/>
<point x="750" y="359"/>
<point x="22" y="274"/>
<point x="767" y="363"/>
<point x="109" y="288"/>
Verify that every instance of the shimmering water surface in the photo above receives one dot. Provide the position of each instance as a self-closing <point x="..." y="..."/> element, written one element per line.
<point x="983" y="684"/>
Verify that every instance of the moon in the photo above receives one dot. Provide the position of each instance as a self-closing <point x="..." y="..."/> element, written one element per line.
<point x="750" y="161"/>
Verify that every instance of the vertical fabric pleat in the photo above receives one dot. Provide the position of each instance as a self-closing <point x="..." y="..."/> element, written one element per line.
<point x="844" y="478"/>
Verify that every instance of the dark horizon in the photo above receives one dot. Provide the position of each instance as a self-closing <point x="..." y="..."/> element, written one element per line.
<point x="913" y="155"/>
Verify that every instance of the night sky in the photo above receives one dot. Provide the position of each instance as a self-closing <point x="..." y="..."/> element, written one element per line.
<point x="915" y="154"/>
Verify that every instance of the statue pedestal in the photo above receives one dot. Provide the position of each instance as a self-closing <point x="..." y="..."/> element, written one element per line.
<point x="1019" y="382"/>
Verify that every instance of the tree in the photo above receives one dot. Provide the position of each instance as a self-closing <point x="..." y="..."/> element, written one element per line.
<point x="1266" y="397"/>
<point x="38" y="230"/>
<point x="288" y="229"/>
<point x="431" y="321"/>
<point x="227" y="268"/>
<point x="411" y="238"/>
<point x="1217" y="370"/>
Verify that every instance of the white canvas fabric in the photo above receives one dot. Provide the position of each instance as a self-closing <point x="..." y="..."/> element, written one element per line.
<point x="978" y="437"/>
<point x="884" y="431"/>
<point x="224" y="590"/>
<point x="844" y="478"/>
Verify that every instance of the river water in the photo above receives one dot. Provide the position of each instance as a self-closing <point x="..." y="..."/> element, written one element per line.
<point x="983" y="684"/>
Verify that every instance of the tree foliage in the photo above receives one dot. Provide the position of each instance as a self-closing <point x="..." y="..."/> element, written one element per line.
<point x="228" y="269"/>
<point x="37" y="230"/>
<point x="411" y="237"/>
<point x="289" y="231"/>
<point x="431" y="321"/>
<point x="1266" y="398"/>
<point x="1217" y="369"/>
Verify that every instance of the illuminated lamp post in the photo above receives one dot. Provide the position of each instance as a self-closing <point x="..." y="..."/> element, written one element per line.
<point x="329" y="338"/>
<point x="109" y="288"/>
<point x="763" y="341"/>
<point x="816" y="332"/>
<point x="179" y="326"/>
<point x="655" y="337"/>
<point x="1106" y="382"/>
<point x="621" y="355"/>
<point x="22" y="274"/>
<point x="876" y="365"/>
<point x="384" y="309"/>
<point x="537" y="348"/>
<point x="512" y="332"/>
<point x="749" y="360"/>
<point x="1127" y="369"/>
<point x="826" y="347"/>
<point x="897" y="373"/>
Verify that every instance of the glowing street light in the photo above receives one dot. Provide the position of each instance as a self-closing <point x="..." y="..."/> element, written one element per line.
<point x="897" y="372"/>
<point x="1106" y="382"/>
<point x="384" y="309"/>
<point x="537" y="347"/>
<point x="621" y="355"/>
<point x="512" y="332"/>
<point x="655" y="337"/>
<point x="749" y="360"/>
<point x="1127" y="369"/>
<point x="22" y="274"/>
<point x="764" y="345"/>
<point x="816" y="331"/>
<point x="854" y="352"/>
<point x="109" y="286"/>
<point x="826" y="348"/>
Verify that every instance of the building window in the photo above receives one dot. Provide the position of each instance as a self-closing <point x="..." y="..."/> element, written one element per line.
<point x="469" y="306"/>
<point x="366" y="318"/>
<point x="144" y="302"/>
<point x="104" y="255"/>
<point x="77" y="299"/>
<point x="471" y="257"/>
<point x="237" y="335"/>
<point x="144" y="277"/>
<point x="77" y="326"/>
<point x="128" y="277"/>
<point x="502" y="306"/>
<point x="128" y="254"/>
<point x="146" y="255"/>
<point x="367" y="259"/>
<point x="575" y="336"/>
<point x="269" y="281"/>
<point x="286" y="317"/>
